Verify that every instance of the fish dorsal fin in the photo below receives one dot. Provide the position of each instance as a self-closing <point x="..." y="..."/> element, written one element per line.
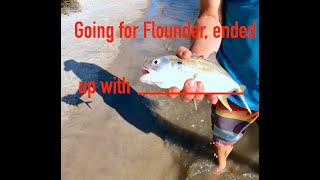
<point x="213" y="58"/>
<point x="194" y="55"/>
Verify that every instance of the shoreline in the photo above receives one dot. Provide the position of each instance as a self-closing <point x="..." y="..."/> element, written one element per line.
<point x="95" y="51"/>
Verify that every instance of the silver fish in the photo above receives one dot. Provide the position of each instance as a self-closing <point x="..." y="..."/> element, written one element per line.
<point x="170" y="70"/>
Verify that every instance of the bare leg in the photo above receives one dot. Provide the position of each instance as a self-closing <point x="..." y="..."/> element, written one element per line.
<point x="222" y="152"/>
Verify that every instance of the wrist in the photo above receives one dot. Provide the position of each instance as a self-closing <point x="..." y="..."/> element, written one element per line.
<point x="209" y="44"/>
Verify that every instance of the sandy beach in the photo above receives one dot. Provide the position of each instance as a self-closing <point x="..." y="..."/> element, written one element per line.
<point x="133" y="136"/>
<point x="92" y="143"/>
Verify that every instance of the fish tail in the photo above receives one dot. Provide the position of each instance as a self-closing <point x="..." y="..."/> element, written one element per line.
<point x="224" y="101"/>
<point x="241" y="88"/>
<point x="87" y="103"/>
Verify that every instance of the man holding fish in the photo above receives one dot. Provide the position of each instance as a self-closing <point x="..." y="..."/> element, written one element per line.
<point x="193" y="72"/>
<point x="240" y="57"/>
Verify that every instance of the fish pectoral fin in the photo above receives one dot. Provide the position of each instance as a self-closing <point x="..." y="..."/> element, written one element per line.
<point x="223" y="99"/>
<point x="195" y="104"/>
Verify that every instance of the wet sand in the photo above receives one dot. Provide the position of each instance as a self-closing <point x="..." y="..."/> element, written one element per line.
<point x="142" y="137"/>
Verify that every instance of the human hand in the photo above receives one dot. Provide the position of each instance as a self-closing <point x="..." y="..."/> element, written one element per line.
<point x="190" y="85"/>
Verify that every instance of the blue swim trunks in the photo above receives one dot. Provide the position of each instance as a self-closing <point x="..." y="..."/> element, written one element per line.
<point x="240" y="58"/>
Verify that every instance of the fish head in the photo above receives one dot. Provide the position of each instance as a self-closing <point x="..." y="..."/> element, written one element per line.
<point x="159" y="64"/>
<point x="158" y="72"/>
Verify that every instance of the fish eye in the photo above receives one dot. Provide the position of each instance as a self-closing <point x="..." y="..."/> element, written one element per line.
<point x="156" y="61"/>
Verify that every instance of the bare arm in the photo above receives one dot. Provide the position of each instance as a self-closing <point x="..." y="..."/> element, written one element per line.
<point x="210" y="15"/>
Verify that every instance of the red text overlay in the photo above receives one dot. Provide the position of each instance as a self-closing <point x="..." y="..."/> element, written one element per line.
<point x="153" y="30"/>
<point x="115" y="87"/>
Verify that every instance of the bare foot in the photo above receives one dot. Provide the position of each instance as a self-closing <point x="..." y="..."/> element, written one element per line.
<point x="220" y="168"/>
<point x="214" y="174"/>
<point x="222" y="152"/>
<point x="210" y="176"/>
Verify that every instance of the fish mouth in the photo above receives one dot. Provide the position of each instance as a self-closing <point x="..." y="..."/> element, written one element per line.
<point x="145" y="73"/>
<point x="145" y="70"/>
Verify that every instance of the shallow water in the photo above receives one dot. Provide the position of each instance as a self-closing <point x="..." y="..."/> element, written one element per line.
<point x="190" y="143"/>
<point x="141" y="137"/>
